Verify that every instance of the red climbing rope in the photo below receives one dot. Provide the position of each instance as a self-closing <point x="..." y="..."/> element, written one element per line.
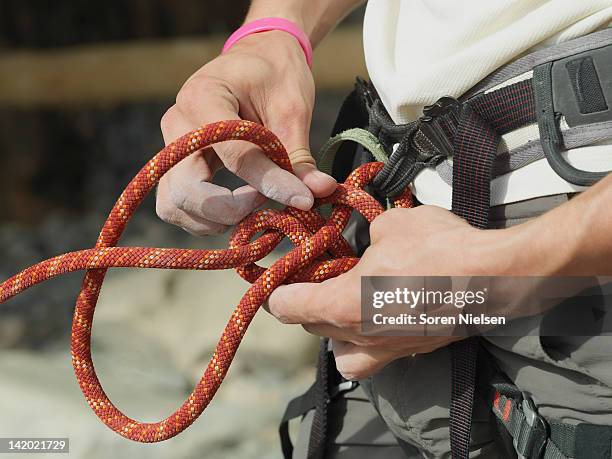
<point x="320" y="253"/>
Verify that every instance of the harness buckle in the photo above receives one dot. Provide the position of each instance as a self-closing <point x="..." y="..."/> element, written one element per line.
<point x="429" y="123"/>
<point x="425" y="143"/>
<point x="530" y="442"/>
<point x="441" y="107"/>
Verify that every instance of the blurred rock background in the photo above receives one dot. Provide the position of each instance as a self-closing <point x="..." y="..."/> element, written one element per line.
<point x="82" y="88"/>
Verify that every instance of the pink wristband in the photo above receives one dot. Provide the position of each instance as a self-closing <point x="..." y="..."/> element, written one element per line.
<point x="267" y="24"/>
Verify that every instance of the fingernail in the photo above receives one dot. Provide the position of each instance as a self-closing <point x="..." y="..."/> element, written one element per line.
<point x="301" y="202"/>
<point x="323" y="176"/>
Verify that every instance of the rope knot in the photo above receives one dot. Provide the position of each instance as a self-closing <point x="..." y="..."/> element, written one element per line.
<point x="320" y="253"/>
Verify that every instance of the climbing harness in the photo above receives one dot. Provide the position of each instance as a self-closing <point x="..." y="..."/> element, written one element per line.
<point x="560" y="96"/>
<point x="320" y="253"/>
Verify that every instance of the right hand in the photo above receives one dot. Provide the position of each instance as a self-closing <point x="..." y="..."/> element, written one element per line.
<point x="263" y="78"/>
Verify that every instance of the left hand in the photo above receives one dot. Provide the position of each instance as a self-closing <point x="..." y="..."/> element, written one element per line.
<point x="422" y="241"/>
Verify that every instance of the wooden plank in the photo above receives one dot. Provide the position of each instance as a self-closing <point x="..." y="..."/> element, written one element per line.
<point x="144" y="70"/>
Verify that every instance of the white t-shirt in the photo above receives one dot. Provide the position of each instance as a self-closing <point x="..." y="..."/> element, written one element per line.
<point x="420" y="50"/>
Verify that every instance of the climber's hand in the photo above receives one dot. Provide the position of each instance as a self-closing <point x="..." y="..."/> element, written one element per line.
<point x="263" y="78"/>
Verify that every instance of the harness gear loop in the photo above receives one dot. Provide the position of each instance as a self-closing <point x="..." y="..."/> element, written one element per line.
<point x="320" y="253"/>
<point x="550" y="135"/>
<point x="329" y="150"/>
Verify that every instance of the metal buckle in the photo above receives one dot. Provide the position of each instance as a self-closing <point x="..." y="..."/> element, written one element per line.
<point x="444" y="106"/>
<point x="538" y="434"/>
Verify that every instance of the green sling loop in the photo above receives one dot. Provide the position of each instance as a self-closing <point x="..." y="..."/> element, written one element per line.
<point x="327" y="154"/>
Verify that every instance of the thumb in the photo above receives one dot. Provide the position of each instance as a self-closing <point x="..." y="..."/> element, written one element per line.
<point x="293" y="131"/>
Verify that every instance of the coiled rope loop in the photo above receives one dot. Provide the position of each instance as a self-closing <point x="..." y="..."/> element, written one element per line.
<point x="320" y="253"/>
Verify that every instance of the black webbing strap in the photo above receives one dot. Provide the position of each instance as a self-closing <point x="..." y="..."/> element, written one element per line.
<point x="318" y="430"/>
<point x="475" y="137"/>
<point x="463" y="375"/>
<point x="508" y="108"/>
<point x="475" y="147"/>
<point x="297" y="408"/>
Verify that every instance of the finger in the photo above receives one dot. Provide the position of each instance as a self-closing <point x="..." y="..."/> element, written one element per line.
<point x="357" y="362"/>
<point x="306" y="303"/>
<point x="319" y="183"/>
<point x="191" y="191"/>
<point x="174" y="125"/>
<point x="215" y="203"/>
<point x="290" y="121"/>
<point x="331" y="331"/>
<point x="195" y="226"/>
<point x="263" y="174"/>
<point x="205" y="101"/>
<point x="385" y="225"/>
<point x="168" y="212"/>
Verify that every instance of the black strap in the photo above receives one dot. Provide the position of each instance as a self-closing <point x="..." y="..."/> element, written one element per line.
<point x="318" y="431"/>
<point x="402" y="167"/>
<point x="297" y="407"/>
<point x="301" y="405"/>
<point x="475" y="147"/>
<point x="464" y="355"/>
<point x="476" y="135"/>
<point x="315" y="398"/>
